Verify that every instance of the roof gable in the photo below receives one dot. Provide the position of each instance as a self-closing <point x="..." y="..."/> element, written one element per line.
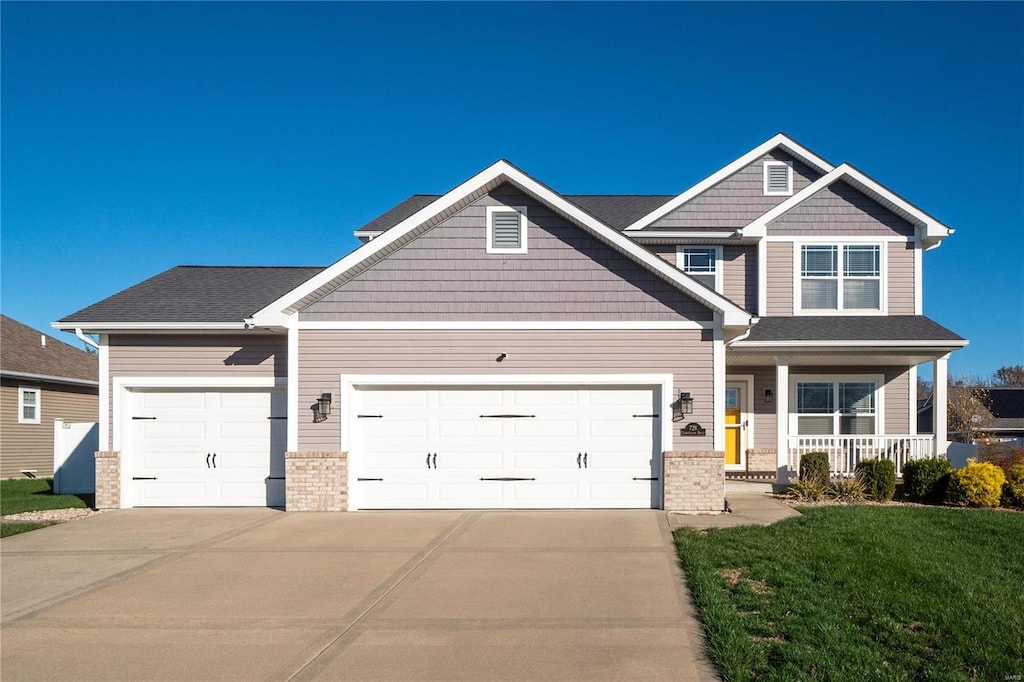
<point x="779" y="141"/>
<point x="22" y="352"/>
<point x="469" y="191"/>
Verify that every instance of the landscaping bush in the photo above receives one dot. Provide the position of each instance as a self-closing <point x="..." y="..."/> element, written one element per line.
<point x="814" y="467"/>
<point x="1013" y="489"/>
<point x="845" y="490"/>
<point x="1003" y="455"/>
<point x="878" y="476"/>
<point x="807" y="491"/>
<point x="925" y="480"/>
<point x="979" y="484"/>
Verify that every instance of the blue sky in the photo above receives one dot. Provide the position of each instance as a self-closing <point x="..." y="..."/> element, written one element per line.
<point x="136" y="137"/>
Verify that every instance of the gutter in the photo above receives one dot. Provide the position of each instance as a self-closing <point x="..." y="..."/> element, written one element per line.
<point x="48" y="378"/>
<point x="85" y="339"/>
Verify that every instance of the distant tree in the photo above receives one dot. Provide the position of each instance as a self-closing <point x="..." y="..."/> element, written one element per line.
<point x="1010" y="376"/>
<point x="967" y="410"/>
<point x="924" y="388"/>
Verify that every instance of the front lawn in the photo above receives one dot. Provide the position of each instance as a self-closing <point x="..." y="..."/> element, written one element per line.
<point x="33" y="494"/>
<point x="863" y="592"/>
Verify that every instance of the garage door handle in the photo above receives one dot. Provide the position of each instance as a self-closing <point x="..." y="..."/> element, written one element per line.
<point x="428" y="460"/>
<point x="584" y="460"/>
<point x="207" y="460"/>
<point x="215" y="460"/>
<point x="435" y="460"/>
<point x="579" y="458"/>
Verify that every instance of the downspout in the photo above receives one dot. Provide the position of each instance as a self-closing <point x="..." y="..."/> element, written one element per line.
<point x="85" y="339"/>
<point x="753" y="320"/>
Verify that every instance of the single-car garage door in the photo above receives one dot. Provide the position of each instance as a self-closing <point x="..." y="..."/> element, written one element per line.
<point x="503" y="447"/>
<point x="208" y="448"/>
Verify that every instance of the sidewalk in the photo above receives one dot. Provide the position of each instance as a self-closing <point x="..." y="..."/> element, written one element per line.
<point x="748" y="509"/>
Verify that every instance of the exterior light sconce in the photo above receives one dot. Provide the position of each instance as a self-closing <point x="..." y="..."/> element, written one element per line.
<point x="769" y="395"/>
<point x="682" y="407"/>
<point x="321" y="408"/>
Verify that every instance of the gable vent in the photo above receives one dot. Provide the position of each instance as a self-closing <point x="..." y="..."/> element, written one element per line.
<point x="777" y="178"/>
<point x="505" y="232"/>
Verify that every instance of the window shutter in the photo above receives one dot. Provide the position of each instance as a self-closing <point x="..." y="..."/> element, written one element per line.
<point x="778" y="179"/>
<point x="505" y="230"/>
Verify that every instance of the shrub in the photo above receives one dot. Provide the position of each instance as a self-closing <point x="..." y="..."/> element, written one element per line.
<point x="814" y="467"/>
<point x="1013" y="489"/>
<point x="878" y="476"/>
<point x="925" y="480"/>
<point x="807" y="491"/>
<point x="979" y="484"/>
<point x="846" y="490"/>
<point x="1004" y="455"/>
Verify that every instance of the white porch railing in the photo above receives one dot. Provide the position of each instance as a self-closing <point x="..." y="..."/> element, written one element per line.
<point x="844" y="452"/>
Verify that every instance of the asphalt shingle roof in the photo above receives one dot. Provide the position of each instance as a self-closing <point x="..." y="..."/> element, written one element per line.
<point x="1007" y="407"/>
<point x="193" y="293"/>
<point x="615" y="210"/>
<point x="851" y="328"/>
<point x="22" y="350"/>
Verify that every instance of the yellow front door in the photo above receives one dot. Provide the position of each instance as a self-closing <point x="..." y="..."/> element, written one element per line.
<point x="733" y="426"/>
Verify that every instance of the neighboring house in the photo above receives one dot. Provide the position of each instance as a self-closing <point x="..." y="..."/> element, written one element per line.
<point x="41" y="380"/>
<point x="1002" y="417"/>
<point x="504" y="345"/>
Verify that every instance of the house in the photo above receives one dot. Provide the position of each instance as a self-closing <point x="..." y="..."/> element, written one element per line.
<point x="506" y="346"/>
<point x="41" y="380"/>
<point x="1000" y="418"/>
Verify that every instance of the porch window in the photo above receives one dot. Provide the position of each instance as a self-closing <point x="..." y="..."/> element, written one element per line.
<point x="835" y="407"/>
<point x="840" y="278"/>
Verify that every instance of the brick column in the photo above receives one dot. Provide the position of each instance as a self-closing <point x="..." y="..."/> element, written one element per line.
<point x="762" y="462"/>
<point x="694" y="481"/>
<point x="316" y="481"/>
<point x="108" y="480"/>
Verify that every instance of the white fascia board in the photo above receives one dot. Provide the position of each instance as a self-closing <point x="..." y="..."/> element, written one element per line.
<point x="100" y="327"/>
<point x="688" y="234"/>
<point x="930" y="228"/>
<point x="426" y="325"/>
<point x="852" y="345"/>
<point x="369" y="234"/>
<point x="779" y="140"/>
<point x="48" y="378"/>
<point x="503" y="171"/>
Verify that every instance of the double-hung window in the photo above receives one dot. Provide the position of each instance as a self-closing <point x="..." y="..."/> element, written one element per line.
<point x="836" y="406"/>
<point x="840" y="277"/>
<point x="28" y="405"/>
<point x="702" y="263"/>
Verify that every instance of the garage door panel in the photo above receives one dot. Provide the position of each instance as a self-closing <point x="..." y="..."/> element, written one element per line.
<point x="171" y="493"/>
<point x="394" y="429"/>
<point x="546" y="428"/>
<point x="471" y="399"/>
<point x="470" y="459"/>
<point x="470" y="428"/>
<point x="546" y="398"/>
<point x="171" y="461"/>
<point x="469" y="494"/>
<point x="392" y="399"/>
<point x="383" y="495"/>
<point x="626" y="398"/>
<point x="172" y="434"/>
<point x="257" y="403"/>
<point x="173" y="399"/>
<point x="402" y="460"/>
<point x="545" y="460"/>
<point x="548" y="494"/>
<point x="621" y="428"/>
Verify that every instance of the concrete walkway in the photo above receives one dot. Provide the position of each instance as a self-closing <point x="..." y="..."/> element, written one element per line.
<point x="746" y="509"/>
<point x="257" y="594"/>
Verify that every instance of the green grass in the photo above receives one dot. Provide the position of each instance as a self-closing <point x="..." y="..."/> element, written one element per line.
<point x="33" y="494"/>
<point x="8" y="529"/>
<point x="863" y="593"/>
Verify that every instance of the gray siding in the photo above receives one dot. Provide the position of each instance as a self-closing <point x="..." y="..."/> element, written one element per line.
<point x="840" y="210"/>
<point x="327" y="354"/>
<point x="236" y="355"/>
<point x="779" y="278"/>
<point x="740" y="275"/>
<point x="901" y="278"/>
<point x="446" y="274"/>
<point x="30" y="446"/>
<point x="738" y="199"/>
<point x="764" y="413"/>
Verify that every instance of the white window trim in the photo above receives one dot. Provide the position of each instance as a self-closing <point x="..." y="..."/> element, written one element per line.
<point x="523" y="224"/>
<point x="789" y="178"/>
<point x="22" y="390"/>
<point x="877" y="379"/>
<point x="719" y="268"/>
<point x="883" y="279"/>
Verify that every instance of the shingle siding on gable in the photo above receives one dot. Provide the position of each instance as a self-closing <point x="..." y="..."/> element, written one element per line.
<point x="446" y="274"/>
<point x="840" y="210"/>
<point x="737" y="200"/>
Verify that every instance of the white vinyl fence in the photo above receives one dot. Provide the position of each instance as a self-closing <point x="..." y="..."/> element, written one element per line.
<point x="74" y="452"/>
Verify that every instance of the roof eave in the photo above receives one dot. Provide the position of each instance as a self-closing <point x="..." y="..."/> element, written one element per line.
<point x="104" y="327"/>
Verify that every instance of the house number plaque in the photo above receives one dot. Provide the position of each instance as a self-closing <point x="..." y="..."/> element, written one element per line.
<point x="693" y="429"/>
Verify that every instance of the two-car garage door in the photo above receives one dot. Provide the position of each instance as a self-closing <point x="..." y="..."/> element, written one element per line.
<point x="506" y="447"/>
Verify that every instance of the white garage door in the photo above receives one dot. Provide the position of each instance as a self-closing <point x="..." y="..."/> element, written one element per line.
<point x="578" y="447"/>
<point x="208" y="448"/>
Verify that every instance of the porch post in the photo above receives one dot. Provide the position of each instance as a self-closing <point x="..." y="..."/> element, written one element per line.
<point x="292" y="428"/>
<point x="782" y="419"/>
<point x="940" y="377"/>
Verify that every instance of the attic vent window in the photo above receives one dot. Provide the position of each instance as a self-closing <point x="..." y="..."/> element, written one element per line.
<point x="778" y="178"/>
<point x="506" y="229"/>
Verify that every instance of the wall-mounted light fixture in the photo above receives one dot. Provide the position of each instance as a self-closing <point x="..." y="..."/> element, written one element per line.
<point x="769" y="395"/>
<point x="321" y="408"/>
<point x="682" y="407"/>
<point x="501" y="357"/>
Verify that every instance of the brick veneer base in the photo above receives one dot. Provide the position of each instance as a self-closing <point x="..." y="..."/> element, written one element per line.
<point x="316" y="481"/>
<point x="762" y="461"/>
<point x="108" y="480"/>
<point x="694" y="481"/>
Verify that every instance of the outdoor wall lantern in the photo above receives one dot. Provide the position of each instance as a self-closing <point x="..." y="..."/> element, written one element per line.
<point x="321" y="408"/>
<point x="682" y="407"/>
<point x="769" y="395"/>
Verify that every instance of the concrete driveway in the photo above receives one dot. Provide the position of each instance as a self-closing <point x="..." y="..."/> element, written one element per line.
<point x="259" y="594"/>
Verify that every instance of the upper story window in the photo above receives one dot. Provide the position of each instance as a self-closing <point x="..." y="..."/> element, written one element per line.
<point x="28" y="405"/>
<point x="832" y="405"/>
<point x="702" y="263"/>
<point x="778" y="178"/>
<point x="846" y="277"/>
<point x="506" y="229"/>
